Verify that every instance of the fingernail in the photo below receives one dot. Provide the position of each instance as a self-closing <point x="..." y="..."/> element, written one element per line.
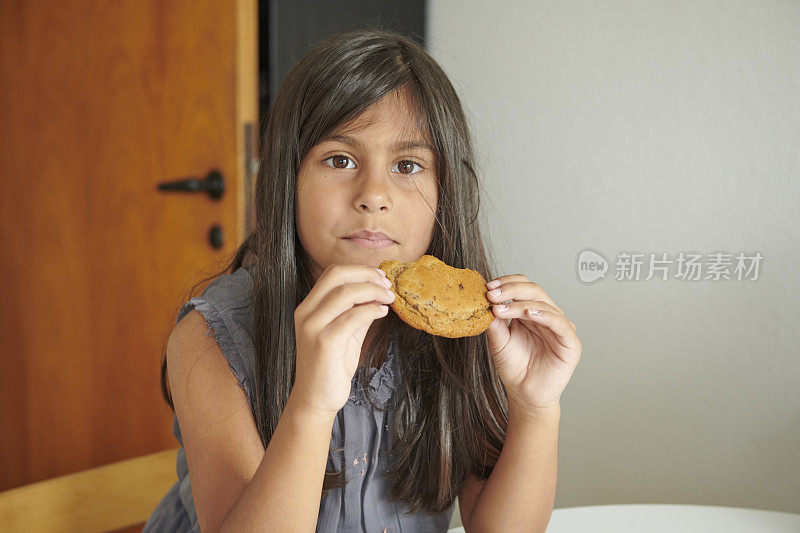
<point x="496" y="292"/>
<point x="387" y="282"/>
<point x="381" y="271"/>
<point x="534" y="312"/>
<point x="501" y="307"/>
<point x="493" y="284"/>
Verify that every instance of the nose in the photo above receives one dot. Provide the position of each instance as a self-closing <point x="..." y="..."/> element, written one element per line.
<point x="372" y="193"/>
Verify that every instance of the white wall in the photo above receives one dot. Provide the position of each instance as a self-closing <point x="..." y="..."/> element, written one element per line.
<point x="649" y="126"/>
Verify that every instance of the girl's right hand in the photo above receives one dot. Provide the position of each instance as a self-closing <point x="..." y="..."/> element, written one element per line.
<point x="330" y="325"/>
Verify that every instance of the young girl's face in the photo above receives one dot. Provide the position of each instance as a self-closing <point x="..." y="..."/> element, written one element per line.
<point x="367" y="181"/>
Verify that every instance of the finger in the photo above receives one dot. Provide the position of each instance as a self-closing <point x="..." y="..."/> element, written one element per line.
<point x="496" y="282"/>
<point x="547" y="333"/>
<point x="336" y="275"/>
<point x="541" y="330"/>
<point x="515" y="309"/>
<point x="344" y="297"/>
<point x="555" y="322"/>
<point x="346" y="324"/>
<point x="548" y="316"/>
<point x="518" y="289"/>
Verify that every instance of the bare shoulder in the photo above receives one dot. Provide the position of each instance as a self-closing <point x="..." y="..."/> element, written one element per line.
<point x="222" y="445"/>
<point x="194" y="360"/>
<point x="188" y="337"/>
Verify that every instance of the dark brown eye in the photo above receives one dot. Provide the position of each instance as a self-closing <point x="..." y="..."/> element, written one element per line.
<point x="339" y="160"/>
<point x="409" y="166"/>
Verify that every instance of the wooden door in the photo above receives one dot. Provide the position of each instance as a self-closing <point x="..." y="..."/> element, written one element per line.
<point x="101" y="101"/>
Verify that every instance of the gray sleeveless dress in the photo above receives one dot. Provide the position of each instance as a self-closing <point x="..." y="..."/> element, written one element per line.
<point x="364" y="433"/>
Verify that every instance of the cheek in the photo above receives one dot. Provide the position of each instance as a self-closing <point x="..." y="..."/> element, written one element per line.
<point x="318" y="209"/>
<point x="422" y="209"/>
<point x="308" y="212"/>
<point x="431" y="194"/>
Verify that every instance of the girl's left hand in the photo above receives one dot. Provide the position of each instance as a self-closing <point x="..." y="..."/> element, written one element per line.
<point x="535" y="354"/>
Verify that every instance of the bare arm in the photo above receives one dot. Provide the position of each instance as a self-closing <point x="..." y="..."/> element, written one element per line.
<point x="285" y="492"/>
<point x="520" y="492"/>
<point x="236" y="484"/>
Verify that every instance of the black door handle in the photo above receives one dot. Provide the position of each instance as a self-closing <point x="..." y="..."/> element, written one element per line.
<point x="213" y="184"/>
<point x="215" y="236"/>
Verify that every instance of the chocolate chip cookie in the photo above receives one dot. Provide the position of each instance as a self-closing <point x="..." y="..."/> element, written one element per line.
<point x="440" y="299"/>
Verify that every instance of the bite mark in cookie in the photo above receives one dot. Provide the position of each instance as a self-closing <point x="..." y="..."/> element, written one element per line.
<point x="440" y="299"/>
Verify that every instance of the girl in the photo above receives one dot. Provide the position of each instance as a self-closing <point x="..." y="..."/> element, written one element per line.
<point x="290" y="379"/>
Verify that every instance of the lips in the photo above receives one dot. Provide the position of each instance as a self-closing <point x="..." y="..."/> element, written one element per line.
<point x="370" y="235"/>
<point x="370" y="239"/>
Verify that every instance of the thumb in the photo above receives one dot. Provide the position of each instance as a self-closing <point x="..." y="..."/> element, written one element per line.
<point x="361" y="333"/>
<point x="498" y="335"/>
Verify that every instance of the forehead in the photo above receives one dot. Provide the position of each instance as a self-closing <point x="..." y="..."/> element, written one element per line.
<point x="390" y="121"/>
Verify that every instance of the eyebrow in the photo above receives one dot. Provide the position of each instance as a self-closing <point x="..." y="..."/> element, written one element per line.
<point x="398" y="146"/>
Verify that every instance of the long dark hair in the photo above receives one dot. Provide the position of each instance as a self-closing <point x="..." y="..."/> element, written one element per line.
<point x="451" y="410"/>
